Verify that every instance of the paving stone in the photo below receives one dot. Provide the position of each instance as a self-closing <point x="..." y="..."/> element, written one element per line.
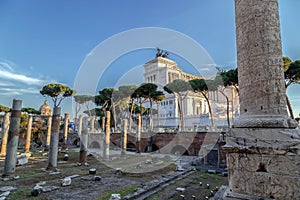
<point x="66" y="181"/>
<point x="74" y="176"/>
<point x="212" y="171"/>
<point x="49" y="188"/>
<point x="66" y="157"/>
<point x="87" y="178"/>
<point x="115" y="197"/>
<point x="36" y="190"/>
<point x="97" y="178"/>
<point x="92" y="171"/>
<point x="118" y="171"/>
<point x="7" y="188"/>
<point x="54" y="173"/>
<point x="22" y="160"/>
<point x="4" y="195"/>
<point x="225" y="174"/>
<point x="180" y="189"/>
<point x="179" y="168"/>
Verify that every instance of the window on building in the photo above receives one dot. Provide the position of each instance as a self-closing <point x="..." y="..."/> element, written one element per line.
<point x="170" y="102"/>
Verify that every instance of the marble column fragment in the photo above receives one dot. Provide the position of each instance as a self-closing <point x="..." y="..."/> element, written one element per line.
<point x="138" y="136"/>
<point x="5" y="133"/>
<point x="49" y="124"/>
<point x="84" y="141"/>
<point x="107" y="134"/>
<point x="66" y="129"/>
<point x="12" y="140"/>
<point x="28" y="134"/>
<point x="53" y="150"/>
<point x="124" y="136"/>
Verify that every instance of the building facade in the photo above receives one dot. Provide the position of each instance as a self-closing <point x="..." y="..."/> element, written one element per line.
<point x="162" y="71"/>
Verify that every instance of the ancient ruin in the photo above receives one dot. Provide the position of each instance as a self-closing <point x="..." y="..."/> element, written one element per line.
<point x="264" y="146"/>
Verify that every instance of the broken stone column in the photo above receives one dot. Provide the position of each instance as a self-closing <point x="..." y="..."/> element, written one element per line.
<point x="66" y="129"/>
<point x="53" y="150"/>
<point x="263" y="147"/>
<point x="92" y="123"/>
<point x="103" y="124"/>
<point x="124" y="137"/>
<point x="49" y="124"/>
<point x="80" y="125"/>
<point x="5" y="133"/>
<point x="107" y="135"/>
<point x="28" y="134"/>
<point x="12" y="140"/>
<point x="138" y="136"/>
<point x="83" y="141"/>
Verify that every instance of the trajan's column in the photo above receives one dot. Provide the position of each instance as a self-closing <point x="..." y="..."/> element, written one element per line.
<point x="264" y="146"/>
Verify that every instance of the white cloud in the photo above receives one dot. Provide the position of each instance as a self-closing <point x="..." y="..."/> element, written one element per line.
<point x="14" y="83"/>
<point x="7" y="72"/>
<point x="4" y="65"/>
<point x="19" y="91"/>
<point x="6" y="84"/>
<point x="20" y="77"/>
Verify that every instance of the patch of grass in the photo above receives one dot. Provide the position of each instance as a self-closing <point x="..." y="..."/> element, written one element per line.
<point x="191" y="183"/>
<point x="215" y="177"/>
<point x="123" y="192"/>
<point x="20" y="194"/>
<point x="29" y="173"/>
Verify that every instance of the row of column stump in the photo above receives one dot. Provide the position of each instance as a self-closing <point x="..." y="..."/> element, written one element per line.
<point x="11" y="130"/>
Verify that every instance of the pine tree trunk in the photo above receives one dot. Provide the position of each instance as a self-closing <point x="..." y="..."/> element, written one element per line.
<point x="210" y="112"/>
<point x="289" y="107"/>
<point x="227" y="108"/>
<point x="130" y="115"/>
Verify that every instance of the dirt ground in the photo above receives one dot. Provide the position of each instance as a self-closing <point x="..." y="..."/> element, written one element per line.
<point x="84" y="186"/>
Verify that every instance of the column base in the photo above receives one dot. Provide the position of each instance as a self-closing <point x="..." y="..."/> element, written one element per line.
<point x="263" y="163"/>
<point x="228" y="195"/>
<point x="265" y="121"/>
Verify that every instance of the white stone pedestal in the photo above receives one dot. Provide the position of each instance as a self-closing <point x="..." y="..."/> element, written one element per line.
<point x="263" y="163"/>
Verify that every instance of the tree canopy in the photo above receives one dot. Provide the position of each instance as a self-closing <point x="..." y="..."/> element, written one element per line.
<point x="177" y="86"/>
<point x="81" y="100"/>
<point x="57" y="92"/>
<point x="204" y="86"/>
<point x="4" y="108"/>
<point x="292" y="74"/>
<point x="286" y="63"/>
<point x="31" y="111"/>
<point x="104" y="99"/>
<point x="180" y="88"/>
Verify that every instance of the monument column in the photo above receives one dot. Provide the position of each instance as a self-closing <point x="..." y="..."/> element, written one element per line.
<point x="260" y="65"/>
<point x="263" y="147"/>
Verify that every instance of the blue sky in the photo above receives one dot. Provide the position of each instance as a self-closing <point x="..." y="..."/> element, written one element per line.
<point x="48" y="41"/>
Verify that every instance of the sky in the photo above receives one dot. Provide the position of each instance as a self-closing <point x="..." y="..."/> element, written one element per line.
<point x="55" y="41"/>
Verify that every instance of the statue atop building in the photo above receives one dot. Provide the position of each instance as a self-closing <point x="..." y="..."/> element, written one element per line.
<point x="161" y="53"/>
<point x="45" y="109"/>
